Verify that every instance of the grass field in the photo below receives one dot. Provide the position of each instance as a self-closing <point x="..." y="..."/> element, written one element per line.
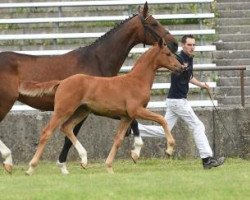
<point x="149" y="179"/>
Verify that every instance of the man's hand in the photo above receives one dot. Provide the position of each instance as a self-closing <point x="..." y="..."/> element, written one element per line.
<point x="205" y="86"/>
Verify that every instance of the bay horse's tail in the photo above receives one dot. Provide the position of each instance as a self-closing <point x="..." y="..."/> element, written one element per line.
<point x="37" y="89"/>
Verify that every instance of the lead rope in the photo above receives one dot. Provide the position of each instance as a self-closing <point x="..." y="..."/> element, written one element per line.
<point x="217" y="112"/>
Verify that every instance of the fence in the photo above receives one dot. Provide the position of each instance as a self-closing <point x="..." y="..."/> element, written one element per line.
<point x="199" y="14"/>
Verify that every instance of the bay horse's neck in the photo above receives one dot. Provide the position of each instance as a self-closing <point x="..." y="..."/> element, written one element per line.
<point x="111" y="50"/>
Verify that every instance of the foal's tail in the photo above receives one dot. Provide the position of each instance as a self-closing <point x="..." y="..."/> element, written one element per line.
<point x="37" y="89"/>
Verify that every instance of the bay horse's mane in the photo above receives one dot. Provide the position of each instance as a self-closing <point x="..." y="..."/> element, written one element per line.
<point x="114" y="29"/>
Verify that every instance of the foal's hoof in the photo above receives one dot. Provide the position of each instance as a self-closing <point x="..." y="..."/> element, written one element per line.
<point x="168" y="155"/>
<point x="8" y="168"/>
<point x="84" y="165"/>
<point x="30" y="171"/>
<point x="169" y="151"/>
<point x="134" y="157"/>
<point x="110" y="170"/>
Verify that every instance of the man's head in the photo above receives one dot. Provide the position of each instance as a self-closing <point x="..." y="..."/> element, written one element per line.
<point x="188" y="44"/>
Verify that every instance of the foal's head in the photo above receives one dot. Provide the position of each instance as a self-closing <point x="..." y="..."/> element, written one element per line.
<point x="166" y="59"/>
<point x="153" y="30"/>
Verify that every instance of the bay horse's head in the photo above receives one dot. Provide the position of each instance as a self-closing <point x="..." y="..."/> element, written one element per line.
<point x="153" y="30"/>
<point x="167" y="59"/>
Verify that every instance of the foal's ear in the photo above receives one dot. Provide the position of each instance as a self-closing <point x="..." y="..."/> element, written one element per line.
<point x="145" y="10"/>
<point x="139" y="9"/>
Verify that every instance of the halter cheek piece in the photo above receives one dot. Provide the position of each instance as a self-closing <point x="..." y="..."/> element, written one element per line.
<point x="149" y="29"/>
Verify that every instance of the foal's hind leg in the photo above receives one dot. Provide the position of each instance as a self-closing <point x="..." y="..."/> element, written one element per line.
<point x="67" y="127"/>
<point x="138" y="143"/>
<point x="123" y="126"/>
<point x="144" y="113"/>
<point x="65" y="150"/>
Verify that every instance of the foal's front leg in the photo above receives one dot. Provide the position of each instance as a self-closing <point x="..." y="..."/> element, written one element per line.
<point x="123" y="126"/>
<point x="45" y="135"/>
<point x="144" y="113"/>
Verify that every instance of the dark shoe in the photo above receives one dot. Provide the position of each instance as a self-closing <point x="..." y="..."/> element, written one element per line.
<point x="212" y="162"/>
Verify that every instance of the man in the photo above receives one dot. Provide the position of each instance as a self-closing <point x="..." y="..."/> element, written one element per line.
<point x="178" y="106"/>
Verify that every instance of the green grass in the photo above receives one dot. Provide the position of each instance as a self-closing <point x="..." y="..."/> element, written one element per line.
<point x="149" y="179"/>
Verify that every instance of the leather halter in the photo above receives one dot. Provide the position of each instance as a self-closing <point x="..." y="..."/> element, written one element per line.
<point x="155" y="35"/>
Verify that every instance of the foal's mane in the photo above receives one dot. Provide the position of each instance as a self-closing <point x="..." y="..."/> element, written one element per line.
<point x="111" y="31"/>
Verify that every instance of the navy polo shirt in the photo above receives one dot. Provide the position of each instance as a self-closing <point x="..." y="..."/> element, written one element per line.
<point x="180" y="81"/>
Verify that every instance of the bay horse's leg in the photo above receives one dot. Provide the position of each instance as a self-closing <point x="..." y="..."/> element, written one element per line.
<point x="138" y="143"/>
<point x="6" y="154"/>
<point x="65" y="150"/>
<point x="67" y="127"/>
<point x="8" y="96"/>
<point x="45" y="135"/>
<point x="145" y="114"/>
<point x="123" y="126"/>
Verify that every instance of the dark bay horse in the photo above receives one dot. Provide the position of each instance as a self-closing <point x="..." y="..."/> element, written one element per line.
<point x="102" y="58"/>
<point x="125" y="96"/>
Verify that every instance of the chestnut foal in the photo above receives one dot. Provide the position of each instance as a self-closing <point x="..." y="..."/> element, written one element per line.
<point x="80" y="95"/>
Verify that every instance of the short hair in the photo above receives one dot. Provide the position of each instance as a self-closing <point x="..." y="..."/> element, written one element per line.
<point x="184" y="38"/>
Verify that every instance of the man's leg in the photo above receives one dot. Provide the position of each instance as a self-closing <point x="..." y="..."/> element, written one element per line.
<point x="186" y="112"/>
<point x="157" y="131"/>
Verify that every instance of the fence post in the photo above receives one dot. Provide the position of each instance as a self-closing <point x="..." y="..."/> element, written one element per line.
<point x="242" y="92"/>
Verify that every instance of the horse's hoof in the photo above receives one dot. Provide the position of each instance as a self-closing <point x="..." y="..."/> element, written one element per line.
<point x="84" y="165"/>
<point x="62" y="167"/>
<point x="134" y="157"/>
<point x="64" y="171"/>
<point x="168" y="155"/>
<point x="110" y="170"/>
<point x="30" y="171"/>
<point x="169" y="152"/>
<point x="8" y="168"/>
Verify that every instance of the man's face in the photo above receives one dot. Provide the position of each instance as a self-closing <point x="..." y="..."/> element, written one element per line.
<point x="189" y="46"/>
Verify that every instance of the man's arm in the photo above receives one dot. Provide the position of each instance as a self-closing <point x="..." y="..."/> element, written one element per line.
<point x="199" y="84"/>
